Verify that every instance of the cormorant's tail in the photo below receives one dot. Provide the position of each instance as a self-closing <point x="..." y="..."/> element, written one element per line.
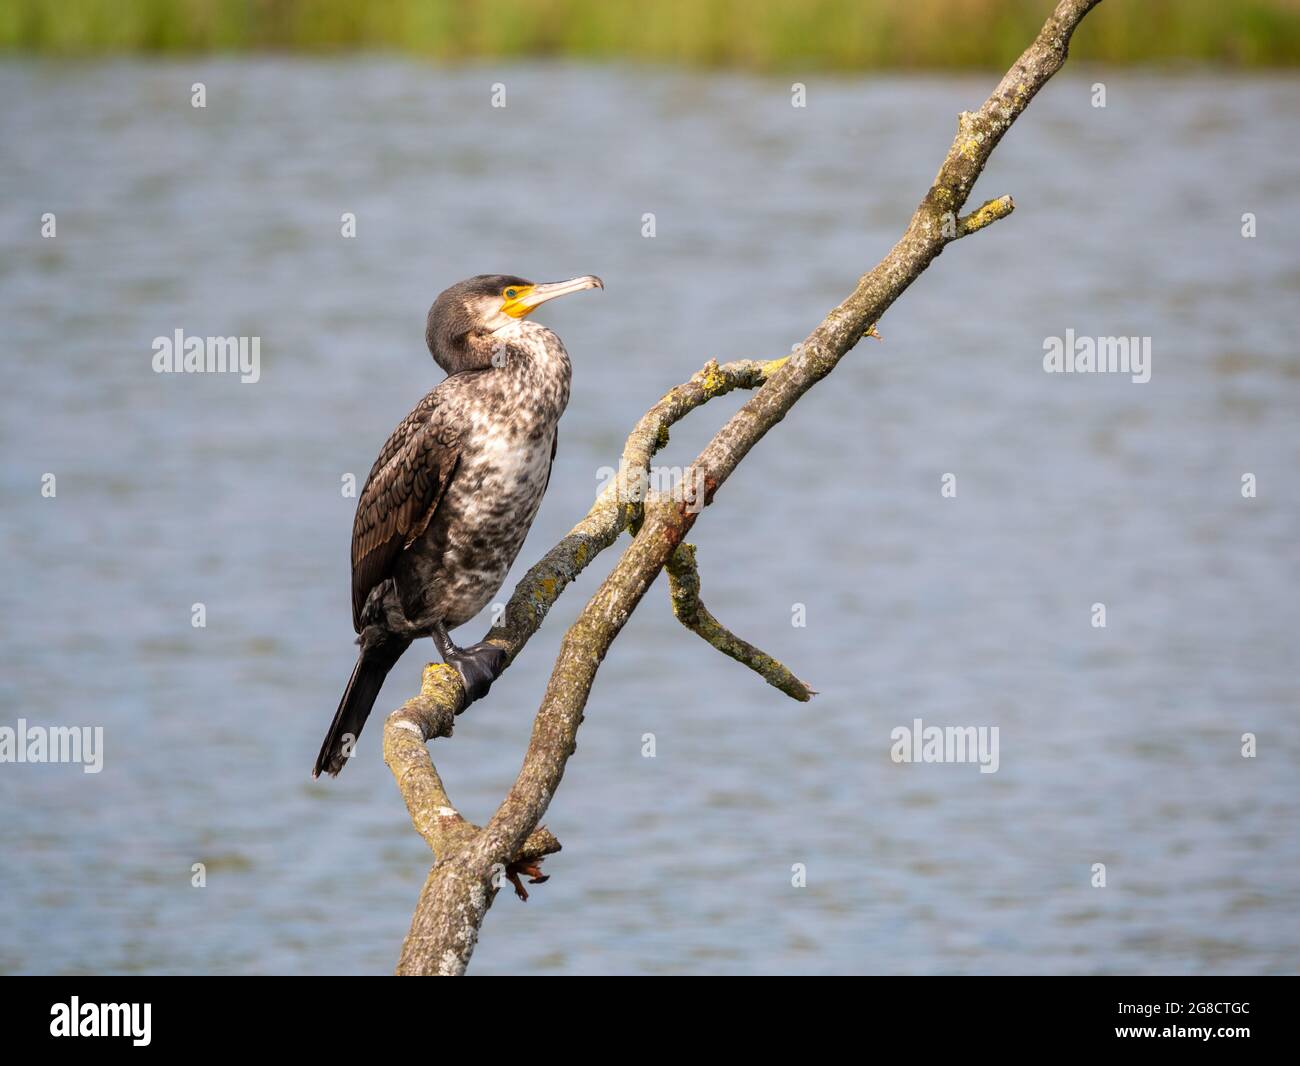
<point x="354" y="708"/>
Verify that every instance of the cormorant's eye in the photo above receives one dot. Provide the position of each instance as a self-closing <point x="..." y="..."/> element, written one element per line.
<point x="511" y="293"/>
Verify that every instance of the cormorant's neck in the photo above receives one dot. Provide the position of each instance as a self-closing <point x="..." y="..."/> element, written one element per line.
<point x="529" y="348"/>
<point x="520" y="359"/>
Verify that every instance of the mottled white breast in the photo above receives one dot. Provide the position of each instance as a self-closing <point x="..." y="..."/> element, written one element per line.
<point x="497" y="492"/>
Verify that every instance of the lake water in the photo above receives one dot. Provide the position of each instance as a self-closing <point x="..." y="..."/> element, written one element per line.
<point x="1119" y="745"/>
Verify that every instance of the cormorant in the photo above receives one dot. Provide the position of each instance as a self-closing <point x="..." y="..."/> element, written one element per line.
<point x="449" y="501"/>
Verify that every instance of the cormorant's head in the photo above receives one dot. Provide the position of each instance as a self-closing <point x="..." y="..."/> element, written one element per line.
<point x="464" y="317"/>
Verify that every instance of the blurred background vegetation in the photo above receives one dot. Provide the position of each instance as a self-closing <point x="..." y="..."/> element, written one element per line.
<point x="757" y="34"/>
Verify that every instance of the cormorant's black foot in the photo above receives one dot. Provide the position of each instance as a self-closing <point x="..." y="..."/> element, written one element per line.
<point x="478" y="667"/>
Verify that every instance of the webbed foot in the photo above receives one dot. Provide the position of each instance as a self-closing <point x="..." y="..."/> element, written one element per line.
<point x="478" y="667"/>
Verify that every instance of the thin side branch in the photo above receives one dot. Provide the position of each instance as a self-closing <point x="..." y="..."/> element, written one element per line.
<point x="684" y="591"/>
<point x="985" y="215"/>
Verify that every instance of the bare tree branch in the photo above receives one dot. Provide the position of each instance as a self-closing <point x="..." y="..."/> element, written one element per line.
<point x="460" y="887"/>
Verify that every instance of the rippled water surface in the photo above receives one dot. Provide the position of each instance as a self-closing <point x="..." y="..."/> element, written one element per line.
<point x="1119" y="745"/>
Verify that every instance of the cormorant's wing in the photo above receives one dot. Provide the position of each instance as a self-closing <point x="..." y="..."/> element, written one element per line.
<point x="555" y="447"/>
<point x="401" y="494"/>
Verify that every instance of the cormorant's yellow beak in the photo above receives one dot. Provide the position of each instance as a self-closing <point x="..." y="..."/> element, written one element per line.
<point x="530" y="297"/>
